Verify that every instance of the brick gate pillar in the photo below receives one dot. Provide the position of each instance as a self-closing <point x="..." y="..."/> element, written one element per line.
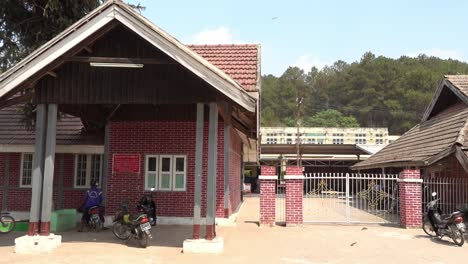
<point x="294" y="194"/>
<point x="268" y="179"/>
<point x="410" y="196"/>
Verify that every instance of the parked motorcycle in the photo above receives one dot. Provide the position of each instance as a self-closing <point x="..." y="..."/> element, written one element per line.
<point x="147" y="206"/>
<point x="94" y="220"/>
<point x="436" y="225"/>
<point x="128" y="226"/>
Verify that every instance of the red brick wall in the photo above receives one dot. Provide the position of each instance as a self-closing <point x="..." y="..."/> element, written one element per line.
<point x="294" y="170"/>
<point x="294" y="189"/>
<point x="267" y="196"/>
<point x="162" y="137"/>
<point x="268" y="170"/>
<point x="73" y="198"/>
<point x="142" y="137"/>
<point x="19" y="198"/>
<point x="2" y="175"/>
<point x="294" y="194"/>
<point x="235" y="159"/>
<point x="410" y="199"/>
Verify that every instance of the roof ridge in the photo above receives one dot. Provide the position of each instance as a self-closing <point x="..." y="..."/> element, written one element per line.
<point x="461" y="135"/>
<point x="225" y="45"/>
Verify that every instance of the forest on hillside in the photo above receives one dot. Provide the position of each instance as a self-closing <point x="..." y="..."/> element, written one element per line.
<point x="372" y="92"/>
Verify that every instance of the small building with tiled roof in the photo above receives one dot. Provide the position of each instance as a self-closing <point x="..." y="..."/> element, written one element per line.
<point x="432" y="156"/>
<point x="116" y="100"/>
<point x="439" y="143"/>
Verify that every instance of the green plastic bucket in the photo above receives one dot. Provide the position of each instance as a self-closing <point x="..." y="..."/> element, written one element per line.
<point x="21" y="226"/>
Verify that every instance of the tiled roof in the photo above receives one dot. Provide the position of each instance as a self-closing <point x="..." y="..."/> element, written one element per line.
<point x="240" y="62"/>
<point x="433" y="138"/>
<point x="69" y="130"/>
<point x="422" y="143"/>
<point x="459" y="81"/>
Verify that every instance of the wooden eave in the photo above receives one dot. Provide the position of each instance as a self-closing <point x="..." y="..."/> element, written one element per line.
<point x="26" y="72"/>
<point x="443" y="84"/>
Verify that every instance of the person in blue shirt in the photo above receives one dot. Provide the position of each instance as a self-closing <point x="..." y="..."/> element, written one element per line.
<point x="93" y="197"/>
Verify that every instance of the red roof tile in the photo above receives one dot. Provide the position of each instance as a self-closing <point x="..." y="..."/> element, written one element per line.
<point x="241" y="62"/>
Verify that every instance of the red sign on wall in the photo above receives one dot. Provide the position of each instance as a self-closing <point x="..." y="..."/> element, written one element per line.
<point x="129" y="163"/>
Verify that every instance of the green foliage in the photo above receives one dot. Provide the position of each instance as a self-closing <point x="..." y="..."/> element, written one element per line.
<point x="330" y="118"/>
<point x="25" y="25"/>
<point x="376" y="91"/>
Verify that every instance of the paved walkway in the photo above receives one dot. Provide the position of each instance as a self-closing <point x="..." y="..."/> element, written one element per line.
<point x="248" y="243"/>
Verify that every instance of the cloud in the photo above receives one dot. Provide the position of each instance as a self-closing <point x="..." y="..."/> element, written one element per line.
<point x="307" y="61"/>
<point x="220" y="35"/>
<point x="441" y="53"/>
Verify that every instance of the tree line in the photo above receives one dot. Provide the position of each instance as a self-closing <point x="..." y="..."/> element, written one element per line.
<point x="372" y="92"/>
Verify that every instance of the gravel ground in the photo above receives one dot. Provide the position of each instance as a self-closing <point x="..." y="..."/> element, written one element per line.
<point x="247" y="242"/>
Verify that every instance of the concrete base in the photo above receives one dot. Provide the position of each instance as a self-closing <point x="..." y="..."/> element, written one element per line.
<point x="37" y="244"/>
<point x="204" y="246"/>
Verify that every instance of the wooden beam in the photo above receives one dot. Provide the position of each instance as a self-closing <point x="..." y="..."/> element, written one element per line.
<point x="53" y="74"/>
<point x="119" y="60"/>
<point x="16" y="100"/>
<point x="31" y="81"/>
<point x="461" y="157"/>
<point x="225" y="110"/>
<point x="88" y="49"/>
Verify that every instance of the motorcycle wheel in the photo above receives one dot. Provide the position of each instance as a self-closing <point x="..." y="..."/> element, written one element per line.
<point x="121" y="231"/>
<point x="428" y="229"/>
<point x="457" y="236"/>
<point x="144" y="240"/>
<point x="98" y="226"/>
<point x="7" y="223"/>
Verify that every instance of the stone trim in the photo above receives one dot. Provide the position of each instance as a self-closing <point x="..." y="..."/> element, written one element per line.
<point x="410" y="180"/>
<point x="268" y="177"/>
<point x="294" y="177"/>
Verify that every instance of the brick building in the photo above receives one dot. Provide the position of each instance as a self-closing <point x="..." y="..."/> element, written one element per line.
<point x="120" y="101"/>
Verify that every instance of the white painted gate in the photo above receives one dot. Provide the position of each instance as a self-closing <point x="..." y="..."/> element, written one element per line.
<point x="350" y="198"/>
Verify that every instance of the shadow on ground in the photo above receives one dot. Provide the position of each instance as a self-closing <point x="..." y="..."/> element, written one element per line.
<point x="441" y="241"/>
<point x="163" y="236"/>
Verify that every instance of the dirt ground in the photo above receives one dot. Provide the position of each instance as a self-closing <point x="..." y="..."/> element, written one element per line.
<point x="247" y="242"/>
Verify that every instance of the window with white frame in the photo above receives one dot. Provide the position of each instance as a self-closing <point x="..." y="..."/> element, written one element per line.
<point x="26" y="170"/>
<point x="88" y="167"/>
<point x="180" y="172"/>
<point x="166" y="172"/>
<point x="379" y="141"/>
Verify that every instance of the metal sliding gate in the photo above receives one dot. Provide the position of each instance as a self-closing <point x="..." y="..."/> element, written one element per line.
<point x="350" y="198"/>
<point x="280" y="202"/>
<point x="452" y="192"/>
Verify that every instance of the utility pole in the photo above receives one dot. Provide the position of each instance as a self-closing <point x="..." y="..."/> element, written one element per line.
<point x="298" y="124"/>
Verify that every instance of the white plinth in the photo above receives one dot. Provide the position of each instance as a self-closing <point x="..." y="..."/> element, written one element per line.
<point x="214" y="246"/>
<point x="37" y="244"/>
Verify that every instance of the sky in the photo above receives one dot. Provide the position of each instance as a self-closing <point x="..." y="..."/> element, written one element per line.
<point x="318" y="33"/>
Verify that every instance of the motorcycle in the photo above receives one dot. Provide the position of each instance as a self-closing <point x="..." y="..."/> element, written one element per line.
<point x="128" y="226"/>
<point x="146" y="205"/>
<point x="93" y="220"/>
<point x="435" y="225"/>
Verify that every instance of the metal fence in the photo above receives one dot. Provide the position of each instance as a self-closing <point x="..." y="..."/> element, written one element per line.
<point x="350" y="198"/>
<point x="280" y="202"/>
<point x="452" y="192"/>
